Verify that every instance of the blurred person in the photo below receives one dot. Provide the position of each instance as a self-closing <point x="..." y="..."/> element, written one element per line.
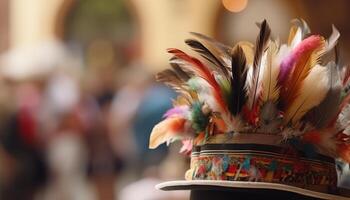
<point x="138" y="105"/>
<point x="104" y="165"/>
<point x="67" y="157"/>
<point x="23" y="137"/>
<point x="171" y="167"/>
<point x="22" y="145"/>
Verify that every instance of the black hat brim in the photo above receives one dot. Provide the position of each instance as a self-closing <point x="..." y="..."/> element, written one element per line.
<point x="262" y="188"/>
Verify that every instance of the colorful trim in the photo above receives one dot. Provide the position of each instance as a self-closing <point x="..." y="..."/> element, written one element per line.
<point x="257" y="165"/>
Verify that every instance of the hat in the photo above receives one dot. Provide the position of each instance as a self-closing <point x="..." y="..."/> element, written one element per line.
<point x="268" y="119"/>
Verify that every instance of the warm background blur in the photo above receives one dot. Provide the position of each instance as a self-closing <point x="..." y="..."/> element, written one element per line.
<point x="77" y="95"/>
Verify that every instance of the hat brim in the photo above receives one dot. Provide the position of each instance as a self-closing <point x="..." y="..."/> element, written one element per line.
<point x="239" y="185"/>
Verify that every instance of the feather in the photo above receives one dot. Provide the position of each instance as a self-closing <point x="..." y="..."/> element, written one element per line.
<point x="171" y="79"/>
<point x="270" y="88"/>
<point x="321" y="115"/>
<point x="330" y="142"/>
<point x="345" y="75"/>
<point x="270" y="118"/>
<point x="180" y="73"/>
<point x="187" y="145"/>
<point x="345" y="81"/>
<point x="205" y="53"/>
<point x="331" y="50"/>
<point x="248" y="49"/>
<point x="299" y="63"/>
<point x="332" y="40"/>
<point x="202" y="71"/>
<point x="297" y="32"/>
<point x="323" y="140"/>
<point x="343" y="120"/>
<point x="174" y="81"/>
<point x="168" y="130"/>
<point x="199" y="116"/>
<point x="177" y="111"/>
<point x="261" y="44"/>
<point x="217" y="44"/>
<point x="343" y="151"/>
<point x="312" y="92"/>
<point x="238" y="79"/>
<point x="219" y="50"/>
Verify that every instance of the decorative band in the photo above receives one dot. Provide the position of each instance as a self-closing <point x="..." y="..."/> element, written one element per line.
<point x="259" y="148"/>
<point x="262" y="166"/>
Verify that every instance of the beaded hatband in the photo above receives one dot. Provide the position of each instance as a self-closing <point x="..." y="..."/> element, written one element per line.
<point x="263" y="163"/>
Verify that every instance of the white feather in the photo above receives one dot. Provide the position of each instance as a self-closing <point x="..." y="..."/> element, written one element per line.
<point x="270" y="90"/>
<point x="298" y="37"/>
<point x="332" y="40"/>
<point x="312" y="92"/>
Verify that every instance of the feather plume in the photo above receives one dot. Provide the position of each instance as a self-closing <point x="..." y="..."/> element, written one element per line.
<point x="312" y="92"/>
<point x="180" y="73"/>
<point x="219" y="50"/>
<point x="238" y="79"/>
<point x="297" y="32"/>
<point x="261" y="44"/>
<point x="177" y="111"/>
<point x="331" y="50"/>
<point x="321" y="115"/>
<point x="343" y="120"/>
<point x="168" y="130"/>
<point x="202" y="71"/>
<point x="171" y="79"/>
<point x="199" y="116"/>
<point x="207" y="54"/>
<point x="270" y="118"/>
<point x="187" y="145"/>
<point x="270" y="88"/>
<point x="345" y="76"/>
<point x="300" y="61"/>
<point x="217" y="44"/>
<point x="323" y="139"/>
<point x="174" y="81"/>
<point x="332" y="40"/>
<point x="248" y="49"/>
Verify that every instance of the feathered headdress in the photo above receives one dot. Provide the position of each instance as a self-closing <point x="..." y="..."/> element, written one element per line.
<point x="295" y="90"/>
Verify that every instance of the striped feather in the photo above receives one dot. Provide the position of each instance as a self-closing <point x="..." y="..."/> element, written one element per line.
<point x="261" y="45"/>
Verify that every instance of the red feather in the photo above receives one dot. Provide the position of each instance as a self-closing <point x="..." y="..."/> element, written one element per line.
<point x="344" y="103"/>
<point x="203" y="72"/>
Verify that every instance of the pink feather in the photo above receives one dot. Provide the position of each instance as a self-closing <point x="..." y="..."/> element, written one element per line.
<point x="176" y="111"/>
<point x="288" y="63"/>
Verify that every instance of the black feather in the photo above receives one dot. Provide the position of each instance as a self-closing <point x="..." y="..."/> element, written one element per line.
<point x="219" y="45"/>
<point x="207" y="54"/>
<point x="219" y="50"/>
<point x="181" y="66"/>
<point x="239" y="76"/>
<point x="261" y="44"/>
<point x="181" y="73"/>
<point x="171" y="79"/>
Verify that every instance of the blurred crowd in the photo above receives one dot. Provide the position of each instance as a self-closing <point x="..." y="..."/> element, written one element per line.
<point x="69" y="131"/>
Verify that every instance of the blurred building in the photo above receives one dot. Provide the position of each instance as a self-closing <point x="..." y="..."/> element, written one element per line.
<point x="157" y="25"/>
